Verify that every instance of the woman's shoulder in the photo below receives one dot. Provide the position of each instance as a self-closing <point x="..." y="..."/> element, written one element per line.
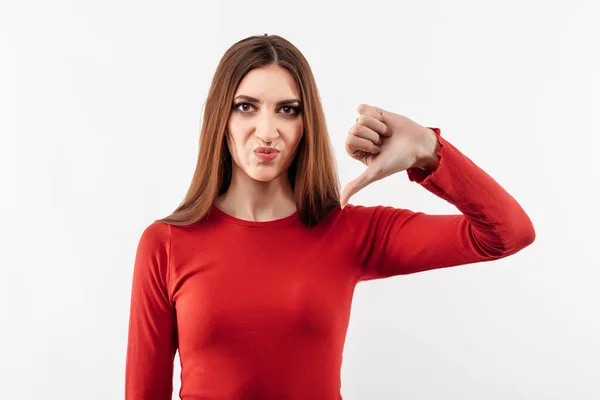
<point x="363" y="217"/>
<point x="155" y="233"/>
<point x="351" y="215"/>
<point x="359" y="210"/>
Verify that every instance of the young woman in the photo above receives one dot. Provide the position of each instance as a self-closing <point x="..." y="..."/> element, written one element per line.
<point x="251" y="278"/>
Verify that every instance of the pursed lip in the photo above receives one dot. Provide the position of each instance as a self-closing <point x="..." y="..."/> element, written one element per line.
<point x="266" y="150"/>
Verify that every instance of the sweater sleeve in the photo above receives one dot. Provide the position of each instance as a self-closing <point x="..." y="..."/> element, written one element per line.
<point x="152" y="338"/>
<point x="491" y="224"/>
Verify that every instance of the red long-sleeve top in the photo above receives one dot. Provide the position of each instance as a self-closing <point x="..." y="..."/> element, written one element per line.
<point x="260" y="310"/>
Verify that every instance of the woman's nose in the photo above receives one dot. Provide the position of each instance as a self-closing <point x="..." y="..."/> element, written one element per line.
<point x="266" y="130"/>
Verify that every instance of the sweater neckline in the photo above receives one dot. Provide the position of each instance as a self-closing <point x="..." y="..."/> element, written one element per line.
<point x="256" y="224"/>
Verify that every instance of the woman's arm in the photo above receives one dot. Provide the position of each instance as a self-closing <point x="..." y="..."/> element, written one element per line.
<point x="492" y="225"/>
<point x="152" y="340"/>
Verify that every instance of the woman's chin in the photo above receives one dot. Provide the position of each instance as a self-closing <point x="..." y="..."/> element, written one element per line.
<point x="264" y="176"/>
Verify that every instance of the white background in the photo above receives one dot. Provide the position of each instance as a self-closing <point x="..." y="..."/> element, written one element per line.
<point x="100" y="110"/>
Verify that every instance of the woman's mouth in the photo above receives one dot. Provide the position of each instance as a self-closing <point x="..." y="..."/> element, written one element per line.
<point x="266" y="154"/>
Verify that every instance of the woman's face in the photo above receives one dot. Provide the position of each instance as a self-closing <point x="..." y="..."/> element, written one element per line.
<point x="265" y="128"/>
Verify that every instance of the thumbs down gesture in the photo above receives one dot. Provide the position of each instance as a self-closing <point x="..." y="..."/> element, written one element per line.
<point x="387" y="143"/>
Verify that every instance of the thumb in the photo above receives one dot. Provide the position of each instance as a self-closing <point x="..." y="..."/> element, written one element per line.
<point x="355" y="186"/>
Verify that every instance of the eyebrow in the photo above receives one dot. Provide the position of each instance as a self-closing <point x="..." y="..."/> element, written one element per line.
<point x="255" y="100"/>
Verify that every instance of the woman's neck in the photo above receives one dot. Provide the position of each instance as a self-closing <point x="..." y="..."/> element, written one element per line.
<point x="254" y="200"/>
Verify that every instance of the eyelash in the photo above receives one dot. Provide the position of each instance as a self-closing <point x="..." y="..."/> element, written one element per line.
<point x="296" y="109"/>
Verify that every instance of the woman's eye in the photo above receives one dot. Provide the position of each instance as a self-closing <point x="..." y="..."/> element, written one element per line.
<point x="294" y="109"/>
<point x="242" y="104"/>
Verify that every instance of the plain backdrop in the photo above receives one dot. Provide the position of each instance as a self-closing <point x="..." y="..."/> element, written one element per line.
<point x="100" y="112"/>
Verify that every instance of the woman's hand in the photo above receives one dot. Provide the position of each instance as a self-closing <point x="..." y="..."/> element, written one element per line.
<point x="387" y="143"/>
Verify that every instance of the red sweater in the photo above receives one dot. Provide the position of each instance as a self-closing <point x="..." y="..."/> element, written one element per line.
<point x="260" y="310"/>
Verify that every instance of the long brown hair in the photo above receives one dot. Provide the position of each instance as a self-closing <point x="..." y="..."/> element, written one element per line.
<point x="312" y="173"/>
